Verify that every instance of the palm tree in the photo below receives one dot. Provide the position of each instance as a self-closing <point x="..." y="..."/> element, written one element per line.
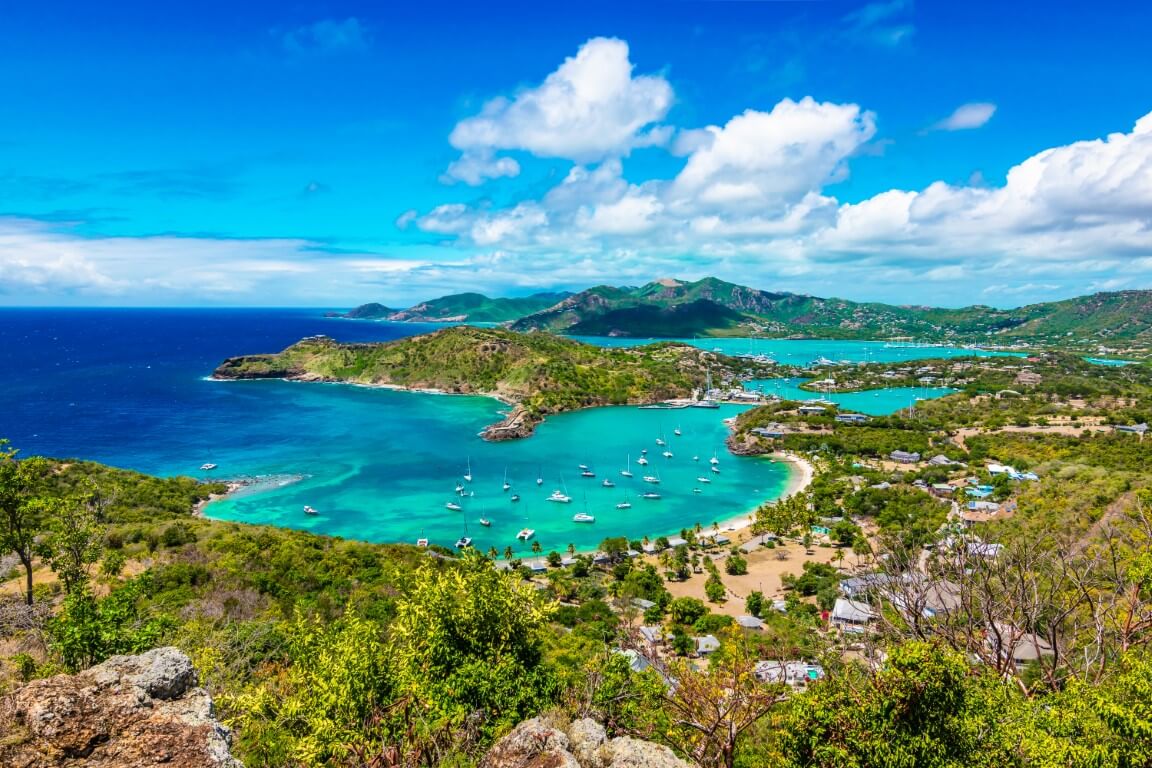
<point x="536" y="547"/>
<point x="493" y="553"/>
<point x="508" y="552"/>
<point x="838" y="557"/>
<point x="571" y="549"/>
<point x="699" y="527"/>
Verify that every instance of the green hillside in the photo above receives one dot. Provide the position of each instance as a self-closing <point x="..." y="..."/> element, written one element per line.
<point x="461" y="307"/>
<point x="540" y="373"/>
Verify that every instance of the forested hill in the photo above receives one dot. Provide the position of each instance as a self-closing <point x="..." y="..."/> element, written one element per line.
<point x="460" y="307"/>
<point x="540" y="373"/>
<point x="670" y="308"/>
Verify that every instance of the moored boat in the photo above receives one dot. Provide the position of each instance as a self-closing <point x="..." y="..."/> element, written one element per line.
<point x="608" y="483"/>
<point x="560" y="497"/>
<point x="525" y="534"/>
<point x="463" y="542"/>
<point x="583" y="517"/>
<point x="485" y="522"/>
<point x="309" y="510"/>
<point x="207" y="467"/>
<point x="650" y="495"/>
<point x="454" y="506"/>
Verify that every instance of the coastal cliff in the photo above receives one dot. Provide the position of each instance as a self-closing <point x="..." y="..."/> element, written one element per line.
<point x="129" y="711"/>
<point x="537" y="373"/>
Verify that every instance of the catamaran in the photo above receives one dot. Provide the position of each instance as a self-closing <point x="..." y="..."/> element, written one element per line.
<point x="421" y="542"/>
<point x="627" y="471"/>
<point x="560" y="496"/>
<point x="463" y="542"/>
<point x="309" y="511"/>
<point x="583" y="517"/>
<point x="525" y="534"/>
<point x="659" y="441"/>
<point x="207" y="467"/>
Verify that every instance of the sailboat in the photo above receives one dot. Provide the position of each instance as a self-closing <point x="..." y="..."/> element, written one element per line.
<point x="422" y="541"/>
<point x="468" y="474"/>
<point x="460" y="488"/>
<point x="660" y="441"/>
<point x="713" y="460"/>
<point x="642" y="461"/>
<point x="667" y="454"/>
<point x="608" y="483"/>
<point x="703" y="480"/>
<point x="627" y="471"/>
<point x="677" y="432"/>
<point x="309" y="510"/>
<point x="559" y="496"/>
<point x="650" y="495"/>
<point x="654" y="479"/>
<point x="485" y="522"/>
<point x="454" y="506"/>
<point x="624" y="504"/>
<point x="506" y="485"/>
<point x="584" y="517"/>
<point x="465" y="540"/>
<point x="539" y="478"/>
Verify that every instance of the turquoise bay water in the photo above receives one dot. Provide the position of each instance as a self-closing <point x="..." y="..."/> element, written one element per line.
<point x="129" y="388"/>
<point x="381" y="466"/>
<point x="874" y="402"/>
<point x="806" y="351"/>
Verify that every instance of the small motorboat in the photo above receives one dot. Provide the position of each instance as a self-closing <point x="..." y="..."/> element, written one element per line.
<point x="309" y="510"/>
<point x="207" y="467"/>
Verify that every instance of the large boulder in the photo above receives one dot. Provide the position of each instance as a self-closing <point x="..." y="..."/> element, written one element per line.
<point x="129" y="711"/>
<point x="537" y="743"/>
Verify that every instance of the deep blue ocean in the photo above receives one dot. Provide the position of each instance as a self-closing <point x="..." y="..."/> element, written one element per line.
<point x="129" y="388"/>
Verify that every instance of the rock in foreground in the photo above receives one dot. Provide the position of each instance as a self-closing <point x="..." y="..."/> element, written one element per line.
<point x="129" y="711"/>
<point x="537" y="743"/>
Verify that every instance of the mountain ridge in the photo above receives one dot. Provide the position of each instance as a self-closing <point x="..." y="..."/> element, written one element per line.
<point x="669" y="308"/>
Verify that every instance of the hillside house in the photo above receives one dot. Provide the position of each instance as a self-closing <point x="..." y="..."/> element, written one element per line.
<point x="904" y="457"/>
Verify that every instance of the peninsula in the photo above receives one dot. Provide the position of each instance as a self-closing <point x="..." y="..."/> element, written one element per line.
<point x="536" y="373"/>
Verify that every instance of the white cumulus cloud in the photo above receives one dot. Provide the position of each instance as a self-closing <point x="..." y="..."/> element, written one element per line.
<point x="590" y="108"/>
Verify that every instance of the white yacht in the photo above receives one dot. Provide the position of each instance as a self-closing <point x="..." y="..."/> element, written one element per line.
<point x="560" y="496"/>
<point x="583" y="517"/>
<point x="454" y="506"/>
<point x="525" y="534"/>
<point x="207" y="467"/>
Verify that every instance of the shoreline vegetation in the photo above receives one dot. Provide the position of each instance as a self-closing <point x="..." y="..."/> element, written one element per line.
<point x="536" y="374"/>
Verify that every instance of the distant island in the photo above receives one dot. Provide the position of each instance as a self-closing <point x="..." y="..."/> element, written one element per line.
<point x="536" y="373"/>
<point x="669" y="308"/>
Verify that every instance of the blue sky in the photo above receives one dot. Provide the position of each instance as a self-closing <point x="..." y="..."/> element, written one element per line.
<point x="327" y="154"/>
